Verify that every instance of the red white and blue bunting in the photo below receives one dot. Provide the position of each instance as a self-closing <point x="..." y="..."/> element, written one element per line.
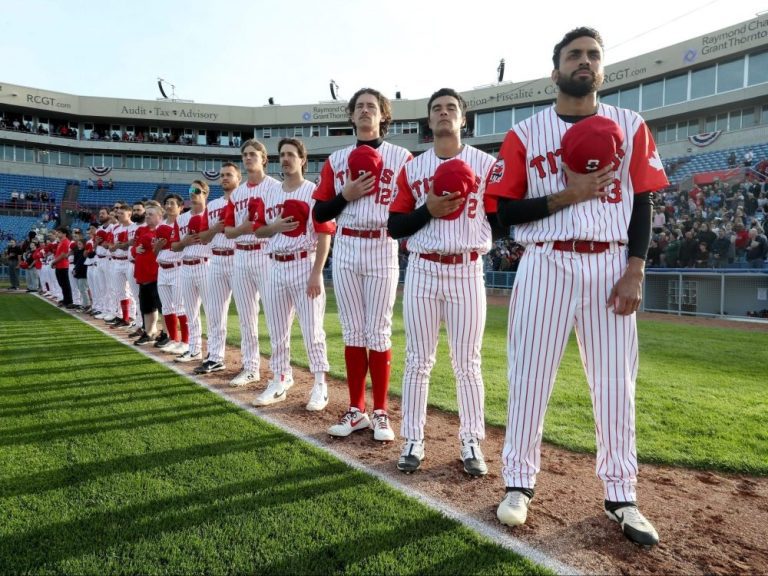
<point x="705" y="138"/>
<point x="211" y="174"/>
<point x="100" y="171"/>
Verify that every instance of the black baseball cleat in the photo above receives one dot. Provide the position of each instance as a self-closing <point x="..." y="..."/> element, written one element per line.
<point x="411" y="456"/>
<point x="209" y="366"/>
<point x="145" y="339"/>
<point x="634" y="525"/>
<point x="162" y="341"/>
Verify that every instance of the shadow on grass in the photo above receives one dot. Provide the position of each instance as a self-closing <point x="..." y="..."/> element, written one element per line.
<point x="90" y="401"/>
<point x="96" y="534"/>
<point x="126" y="421"/>
<point x="136" y="378"/>
<point x="68" y="476"/>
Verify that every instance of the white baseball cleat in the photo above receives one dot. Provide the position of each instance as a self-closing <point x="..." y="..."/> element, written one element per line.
<point x="274" y="393"/>
<point x="188" y="357"/>
<point x="382" y="431"/>
<point x="244" y="378"/>
<point x="318" y="400"/>
<point x="513" y="510"/>
<point x="175" y="348"/>
<point x="352" y="421"/>
<point x="634" y="525"/>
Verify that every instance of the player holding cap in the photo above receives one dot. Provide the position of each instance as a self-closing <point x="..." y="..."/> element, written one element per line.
<point x="251" y="266"/>
<point x="449" y="233"/>
<point x="219" y="272"/>
<point x="298" y="247"/>
<point x="194" y="266"/>
<point x="578" y="191"/>
<point x="168" y="278"/>
<point x="356" y="188"/>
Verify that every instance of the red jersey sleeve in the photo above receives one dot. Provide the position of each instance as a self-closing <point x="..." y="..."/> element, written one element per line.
<point x="326" y="189"/>
<point x="257" y="213"/>
<point x="404" y="201"/>
<point x="323" y="227"/>
<point x="508" y="177"/>
<point x="229" y="214"/>
<point x="645" y="167"/>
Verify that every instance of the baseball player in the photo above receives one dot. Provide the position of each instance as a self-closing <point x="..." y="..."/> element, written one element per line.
<point x="194" y="268"/>
<point x="122" y="268"/>
<point x="298" y="248"/>
<point x="219" y="272"/>
<point x="365" y="266"/>
<point x="444" y="281"/>
<point x="146" y="271"/>
<point x="584" y="215"/>
<point x="252" y="265"/>
<point x="138" y="214"/>
<point x="168" y="278"/>
<point x="99" y="278"/>
<point x="91" y="263"/>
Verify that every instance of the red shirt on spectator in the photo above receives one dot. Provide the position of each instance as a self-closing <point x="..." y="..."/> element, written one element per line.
<point x="63" y="248"/>
<point x="742" y="239"/>
<point x="145" y="268"/>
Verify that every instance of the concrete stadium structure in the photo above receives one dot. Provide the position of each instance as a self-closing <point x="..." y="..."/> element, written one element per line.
<point x="715" y="82"/>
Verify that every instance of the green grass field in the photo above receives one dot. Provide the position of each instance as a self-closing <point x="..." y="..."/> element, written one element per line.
<point x="114" y="464"/>
<point x="701" y="392"/>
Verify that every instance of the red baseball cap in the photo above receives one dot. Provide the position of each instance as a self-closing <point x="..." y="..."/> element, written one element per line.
<point x="300" y="212"/>
<point x="591" y="144"/>
<point x="454" y="176"/>
<point x="365" y="159"/>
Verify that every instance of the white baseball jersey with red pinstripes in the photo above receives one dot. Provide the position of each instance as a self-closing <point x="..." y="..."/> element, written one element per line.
<point x="194" y="282"/>
<point x="470" y="231"/>
<point x="286" y="289"/>
<point x="219" y="289"/>
<point x="250" y="274"/>
<point x="450" y="292"/>
<point x="168" y="279"/>
<point x="555" y="291"/>
<point x="365" y="270"/>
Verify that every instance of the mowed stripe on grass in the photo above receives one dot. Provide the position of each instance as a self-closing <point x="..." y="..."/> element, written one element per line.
<point x="701" y="399"/>
<point x="112" y="463"/>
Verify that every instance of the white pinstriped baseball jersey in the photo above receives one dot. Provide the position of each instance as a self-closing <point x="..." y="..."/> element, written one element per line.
<point x="370" y="212"/>
<point x="274" y="198"/>
<point x="166" y="255"/>
<point x="215" y="214"/>
<point x="239" y="199"/>
<point x="471" y="230"/>
<point x="529" y="166"/>
<point x="196" y="250"/>
<point x="123" y="234"/>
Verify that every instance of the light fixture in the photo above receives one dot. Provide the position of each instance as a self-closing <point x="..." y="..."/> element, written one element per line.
<point x="334" y="89"/>
<point x="500" y="70"/>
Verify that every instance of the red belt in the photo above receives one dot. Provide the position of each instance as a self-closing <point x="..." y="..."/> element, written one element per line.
<point x="194" y="262"/>
<point x="165" y="266"/>
<point x="119" y="257"/>
<point x="289" y="257"/>
<point x="248" y="246"/>
<point x="363" y="233"/>
<point x="580" y="246"/>
<point x="222" y="251"/>
<point x="449" y="258"/>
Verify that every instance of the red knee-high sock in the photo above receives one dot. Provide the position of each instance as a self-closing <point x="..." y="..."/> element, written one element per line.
<point x="124" y="305"/>
<point x="356" y="359"/>
<point x="184" y="328"/>
<point x="380" y="364"/>
<point x="171" y="326"/>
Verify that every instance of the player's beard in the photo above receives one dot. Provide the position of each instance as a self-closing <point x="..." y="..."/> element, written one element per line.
<point x="577" y="87"/>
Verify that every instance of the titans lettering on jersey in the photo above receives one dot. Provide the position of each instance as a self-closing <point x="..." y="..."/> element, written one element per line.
<point x="530" y="166"/>
<point x="216" y="210"/>
<point x="471" y="230"/>
<point x="370" y="212"/>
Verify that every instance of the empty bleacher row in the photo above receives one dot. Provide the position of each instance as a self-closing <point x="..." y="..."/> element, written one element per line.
<point x="17" y="227"/>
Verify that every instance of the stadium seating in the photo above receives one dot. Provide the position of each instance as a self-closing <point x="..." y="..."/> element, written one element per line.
<point x="687" y="166"/>
<point x="10" y="182"/>
<point x="19" y="227"/>
<point x="131" y="192"/>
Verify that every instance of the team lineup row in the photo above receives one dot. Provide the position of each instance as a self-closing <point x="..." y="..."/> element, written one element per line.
<point x="574" y="179"/>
